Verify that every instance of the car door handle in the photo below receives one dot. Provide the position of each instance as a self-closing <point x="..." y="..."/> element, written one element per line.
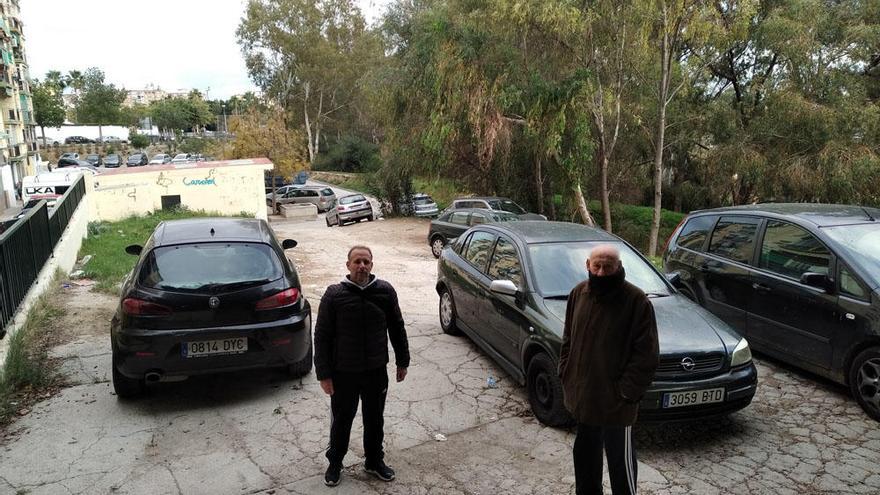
<point x="761" y="287"/>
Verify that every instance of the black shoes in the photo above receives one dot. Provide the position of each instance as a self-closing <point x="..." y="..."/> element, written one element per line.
<point x="331" y="477"/>
<point x="380" y="470"/>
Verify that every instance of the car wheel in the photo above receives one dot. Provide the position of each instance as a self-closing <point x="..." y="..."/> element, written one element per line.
<point x="326" y="219"/>
<point x="301" y="368"/>
<point x="437" y="244"/>
<point x="371" y="217"/>
<point x="545" y="392"/>
<point x="125" y="387"/>
<point x="447" y="313"/>
<point x="864" y="381"/>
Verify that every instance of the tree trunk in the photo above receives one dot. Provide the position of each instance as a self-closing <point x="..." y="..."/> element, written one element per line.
<point x="663" y="100"/>
<point x="43" y="132"/>
<point x="539" y="186"/>
<point x="603" y="193"/>
<point x="582" y="205"/>
<point x="308" y="124"/>
<point x="274" y="192"/>
<point x="100" y="135"/>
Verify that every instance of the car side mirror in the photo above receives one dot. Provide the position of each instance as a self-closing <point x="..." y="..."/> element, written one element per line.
<point x="674" y="278"/>
<point x="817" y="280"/>
<point x="288" y="244"/>
<point x="134" y="249"/>
<point x="505" y="287"/>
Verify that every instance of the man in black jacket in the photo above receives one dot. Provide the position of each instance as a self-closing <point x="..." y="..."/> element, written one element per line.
<point x="355" y="321"/>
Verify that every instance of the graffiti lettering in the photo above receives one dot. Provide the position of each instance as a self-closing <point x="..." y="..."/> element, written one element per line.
<point x="199" y="182"/>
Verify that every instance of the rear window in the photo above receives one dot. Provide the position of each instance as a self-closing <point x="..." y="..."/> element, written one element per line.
<point x="695" y="231"/>
<point x="506" y="205"/>
<point x="327" y="192"/>
<point x="734" y="238"/>
<point x="210" y="266"/>
<point x="423" y="200"/>
<point x="351" y="199"/>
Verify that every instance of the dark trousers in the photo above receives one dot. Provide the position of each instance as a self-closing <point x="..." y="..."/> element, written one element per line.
<point x="587" y="453"/>
<point x="370" y="388"/>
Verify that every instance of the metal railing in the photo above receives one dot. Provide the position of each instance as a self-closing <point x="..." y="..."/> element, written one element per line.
<point x="27" y="244"/>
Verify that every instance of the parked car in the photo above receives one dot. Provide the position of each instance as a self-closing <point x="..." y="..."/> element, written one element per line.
<point x="505" y="285"/>
<point x="78" y="140"/>
<point x="301" y="178"/>
<point x="94" y="159"/>
<point x="800" y="281"/>
<point x="351" y="208"/>
<point x="281" y="191"/>
<point x="28" y="205"/>
<point x="495" y="204"/>
<point x="226" y="289"/>
<point x="70" y="154"/>
<point x="113" y="139"/>
<point x="273" y="184"/>
<point x="47" y="141"/>
<point x="137" y="160"/>
<point x="182" y="158"/>
<point x="420" y="205"/>
<point x="112" y="161"/>
<point x="160" y="159"/>
<point x="452" y="224"/>
<point x="72" y="162"/>
<point x="321" y="197"/>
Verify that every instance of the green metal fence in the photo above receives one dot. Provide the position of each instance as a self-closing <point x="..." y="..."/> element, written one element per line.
<point x="27" y="244"/>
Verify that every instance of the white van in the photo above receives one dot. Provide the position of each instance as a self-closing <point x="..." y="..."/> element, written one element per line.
<point x="50" y="185"/>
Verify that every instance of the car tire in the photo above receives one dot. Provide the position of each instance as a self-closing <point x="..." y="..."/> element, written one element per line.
<point x="371" y="217"/>
<point x="301" y="368"/>
<point x="328" y="222"/>
<point x="447" y="313"/>
<point x="125" y="387"/>
<point x="545" y="392"/>
<point x="437" y="244"/>
<point x="864" y="381"/>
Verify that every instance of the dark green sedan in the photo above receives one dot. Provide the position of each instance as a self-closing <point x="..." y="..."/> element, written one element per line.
<point x="505" y="285"/>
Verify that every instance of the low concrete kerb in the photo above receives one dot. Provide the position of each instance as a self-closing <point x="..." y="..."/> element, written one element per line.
<point x="299" y="212"/>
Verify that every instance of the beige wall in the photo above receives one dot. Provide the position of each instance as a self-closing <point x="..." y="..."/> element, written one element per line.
<point x="227" y="187"/>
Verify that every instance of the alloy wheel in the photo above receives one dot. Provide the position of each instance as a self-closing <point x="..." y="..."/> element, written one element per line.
<point x="437" y="247"/>
<point x="445" y="309"/>
<point x="869" y="383"/>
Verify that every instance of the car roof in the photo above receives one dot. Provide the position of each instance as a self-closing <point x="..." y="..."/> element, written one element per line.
<point x="486" y="198"/>
<point x="541" y="231"/>
<point x="199" y="230"/>
<point x="820" y="215"/>
<point x="478" y="210"/>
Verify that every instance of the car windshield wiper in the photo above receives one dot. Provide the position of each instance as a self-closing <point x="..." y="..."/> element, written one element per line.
<point x="655" y="294"/>
<point x="560" y="297"/>
<point x="217" y="287"/>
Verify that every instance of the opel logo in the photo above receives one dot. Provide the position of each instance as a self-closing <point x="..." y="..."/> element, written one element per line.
<point x="688" y="364"/>
<point x="213" y="302"/>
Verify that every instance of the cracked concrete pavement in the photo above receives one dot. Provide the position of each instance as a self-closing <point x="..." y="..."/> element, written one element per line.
<point x="261" y="432"/>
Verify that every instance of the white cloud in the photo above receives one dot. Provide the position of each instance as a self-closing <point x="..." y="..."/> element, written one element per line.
<point x="176" y="44"/>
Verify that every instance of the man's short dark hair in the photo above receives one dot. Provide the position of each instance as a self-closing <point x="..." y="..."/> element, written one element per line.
<point x="355" y="248"/>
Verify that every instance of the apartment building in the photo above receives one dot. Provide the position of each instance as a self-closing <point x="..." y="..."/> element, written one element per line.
<point x="17" y="126"/>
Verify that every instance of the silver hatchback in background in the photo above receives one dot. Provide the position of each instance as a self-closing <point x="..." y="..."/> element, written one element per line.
<point x="320" y="196"/>
<point x="351" y="208"/>
<point x="420" y="205"/>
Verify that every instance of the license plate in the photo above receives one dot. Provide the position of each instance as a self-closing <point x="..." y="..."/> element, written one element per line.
<point x="237" y="345"/>
<point x="693" y="397"/>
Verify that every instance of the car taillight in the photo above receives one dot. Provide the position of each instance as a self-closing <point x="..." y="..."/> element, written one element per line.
<point x="139" y="307"/>
<point x="340" y="208"/>
<point x="666" y="244"/>
<point x="288" y="297"/>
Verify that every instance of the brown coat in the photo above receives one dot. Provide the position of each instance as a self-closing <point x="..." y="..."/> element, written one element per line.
<point x="609" y="354"/>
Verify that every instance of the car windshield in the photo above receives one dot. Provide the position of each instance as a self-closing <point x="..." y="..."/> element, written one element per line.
<point x="159" y="157"/>
<point x="135" y="157"/>
<point x="504" y="217"/>
<point x="559" y="266"/>
<point x="351" y="199"/>
<point x="423" y="200"/>
<point x="862" y="242"/>
<point x="506" y="205"/>
<point x="195" y="267"/>
<point x="92" y="157"/>
<point x="182" y="157"/>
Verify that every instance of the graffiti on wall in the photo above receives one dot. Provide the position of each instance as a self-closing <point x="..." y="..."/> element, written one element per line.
<point x="210" y="180"/>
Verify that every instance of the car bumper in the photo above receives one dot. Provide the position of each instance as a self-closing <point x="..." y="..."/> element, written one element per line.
<point x="346" y="216"/>
<point x="272" y="344"/>
<point x="427" y="213"/>
<point x="739" y="386"/>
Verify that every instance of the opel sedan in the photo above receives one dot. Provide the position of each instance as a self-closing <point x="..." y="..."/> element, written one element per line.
<point x="505" y="285"/>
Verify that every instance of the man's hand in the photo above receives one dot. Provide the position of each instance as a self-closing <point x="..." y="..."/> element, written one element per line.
<point x="327" y="386"/>
<point x="401" y="374"/>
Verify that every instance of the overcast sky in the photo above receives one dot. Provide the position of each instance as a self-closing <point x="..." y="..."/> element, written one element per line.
<point x="175" y="44"/>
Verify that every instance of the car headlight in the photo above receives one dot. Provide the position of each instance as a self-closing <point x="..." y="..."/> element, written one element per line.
<point x="741" y="354"/>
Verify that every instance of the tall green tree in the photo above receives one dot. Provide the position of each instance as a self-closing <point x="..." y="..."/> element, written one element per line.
<point x="98" y="103"/>
<point x="48" y="105"/>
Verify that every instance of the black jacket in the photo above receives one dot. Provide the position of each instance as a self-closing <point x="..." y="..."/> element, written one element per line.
<point x="353" y="328"/>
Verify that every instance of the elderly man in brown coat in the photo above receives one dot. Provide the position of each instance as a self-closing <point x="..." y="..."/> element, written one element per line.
<point x="608" y="357"/>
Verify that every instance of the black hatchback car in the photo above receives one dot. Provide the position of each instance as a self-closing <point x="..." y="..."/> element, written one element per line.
<point x="799" y="280"/>
<point x="209" y="295"/>
<point x="506" y="286"/>
<point x="137" y="160"/>
<point x="452" y="223"/>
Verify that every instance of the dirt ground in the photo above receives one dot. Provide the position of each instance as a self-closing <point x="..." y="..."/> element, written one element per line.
<point x="261" y="432"/>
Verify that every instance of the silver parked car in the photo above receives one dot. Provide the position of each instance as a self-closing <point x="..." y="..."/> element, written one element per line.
<point x="351" y="208"/>
<point x="420" y="205"/>
<point x="321" y="197"/>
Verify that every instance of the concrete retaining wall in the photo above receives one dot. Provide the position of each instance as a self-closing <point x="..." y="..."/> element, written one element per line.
<point x="300" y="212"/>
<point x="63" y="257"/>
